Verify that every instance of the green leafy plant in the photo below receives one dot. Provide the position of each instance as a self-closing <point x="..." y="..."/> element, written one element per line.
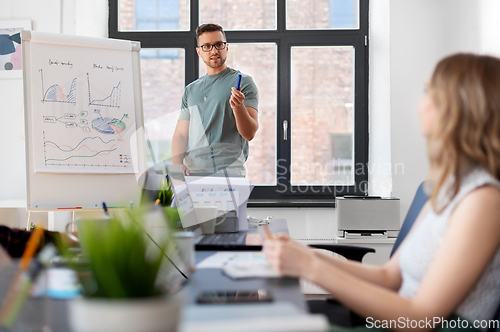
<point x="173" y="218"/>
<point x="32" y="227"/>
<point x="166" y="193"/>
<point x="118" y="259"/>
<point x="165" y="198"/>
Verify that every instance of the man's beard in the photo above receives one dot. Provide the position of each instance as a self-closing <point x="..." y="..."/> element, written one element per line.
<point x="222" y="62"/>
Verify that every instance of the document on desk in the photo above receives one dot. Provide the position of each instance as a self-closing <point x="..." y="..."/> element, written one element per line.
<point x="240" y="265"/>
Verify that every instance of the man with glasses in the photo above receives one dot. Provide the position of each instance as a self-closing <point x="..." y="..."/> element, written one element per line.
<point x="217" y="121"/>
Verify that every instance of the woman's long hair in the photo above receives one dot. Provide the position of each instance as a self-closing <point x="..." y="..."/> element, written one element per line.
<point x="466" y="91"/>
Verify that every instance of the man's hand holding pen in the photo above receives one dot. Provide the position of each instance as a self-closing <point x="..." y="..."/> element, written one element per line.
<point x="236" y="100"/>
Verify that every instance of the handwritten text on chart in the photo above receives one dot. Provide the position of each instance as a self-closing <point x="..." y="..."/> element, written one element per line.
<point x="60" y="63"/>
<point x="112" y="68"/>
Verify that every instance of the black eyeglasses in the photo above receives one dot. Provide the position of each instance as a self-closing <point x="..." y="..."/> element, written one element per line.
<point x="208" y="47"/>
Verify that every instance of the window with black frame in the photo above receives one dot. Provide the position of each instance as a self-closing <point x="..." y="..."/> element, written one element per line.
<point x="309" y="60"/>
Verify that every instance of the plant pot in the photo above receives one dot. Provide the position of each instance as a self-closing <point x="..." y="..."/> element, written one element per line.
<point x="158" y="314"/>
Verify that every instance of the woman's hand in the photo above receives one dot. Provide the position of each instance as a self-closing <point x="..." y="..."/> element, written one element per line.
<point x="288" y="257"/>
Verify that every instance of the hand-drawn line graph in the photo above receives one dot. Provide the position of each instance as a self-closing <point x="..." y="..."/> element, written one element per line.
<point x="78" y="147"/>
<point x="111" y="100"/>
<point x="55" y="93"/>
<point x="108" y="125"/>
<point x="64" y="153"/>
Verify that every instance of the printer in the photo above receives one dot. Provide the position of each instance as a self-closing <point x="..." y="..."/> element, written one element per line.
<point x="367" y="217"/>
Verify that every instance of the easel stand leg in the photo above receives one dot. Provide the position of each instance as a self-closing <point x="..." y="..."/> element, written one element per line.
<point x="51" y="218"/>
<point x="28" y="224"/>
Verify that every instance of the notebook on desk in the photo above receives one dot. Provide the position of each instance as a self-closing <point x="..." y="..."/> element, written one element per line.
<point x="241" y="240"/>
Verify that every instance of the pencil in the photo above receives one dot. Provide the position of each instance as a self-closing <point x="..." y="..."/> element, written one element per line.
<point x="6" y="314"/>
<point x="268" y="232"/>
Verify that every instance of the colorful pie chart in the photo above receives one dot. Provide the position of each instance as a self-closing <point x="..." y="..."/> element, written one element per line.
<point x="108" y="126"/>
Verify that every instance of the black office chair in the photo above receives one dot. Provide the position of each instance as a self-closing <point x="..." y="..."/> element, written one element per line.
<point x="337" y="313"/>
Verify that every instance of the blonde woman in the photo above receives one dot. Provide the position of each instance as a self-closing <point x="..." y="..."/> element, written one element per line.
<point x="448" y="267"/>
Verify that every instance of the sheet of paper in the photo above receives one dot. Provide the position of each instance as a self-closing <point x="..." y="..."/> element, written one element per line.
<point x="216" y="261"/>
<point x="249" y="265"/>
<point x="239" y="265"/>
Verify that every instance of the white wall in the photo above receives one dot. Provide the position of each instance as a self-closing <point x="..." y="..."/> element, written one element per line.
<point x="379" y="102"/>
<point x="422" y="32"/>
<point x="490" y="26"/>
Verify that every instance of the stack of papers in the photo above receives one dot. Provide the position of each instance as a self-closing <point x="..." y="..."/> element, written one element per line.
<point x="239" y="265"/>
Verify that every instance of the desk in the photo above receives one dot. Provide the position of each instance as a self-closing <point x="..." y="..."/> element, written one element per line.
<point x="284" y="289"/>
<point x="286" y="292"/>
<point x="288" y="299"/>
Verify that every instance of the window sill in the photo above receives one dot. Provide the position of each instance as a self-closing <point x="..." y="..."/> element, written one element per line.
<point x="286" y="203"/>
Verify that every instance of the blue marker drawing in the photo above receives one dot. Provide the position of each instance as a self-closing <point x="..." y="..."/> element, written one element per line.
<point x="238" y="85"/>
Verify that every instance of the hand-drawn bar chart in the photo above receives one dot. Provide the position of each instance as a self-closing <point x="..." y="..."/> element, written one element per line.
<point x="111" y="98"/>
<point x="55" y="93"/>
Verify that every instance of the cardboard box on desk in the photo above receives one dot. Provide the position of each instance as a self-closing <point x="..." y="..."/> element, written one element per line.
<point x="367" y="217"/>
<point x="227" y="193"/>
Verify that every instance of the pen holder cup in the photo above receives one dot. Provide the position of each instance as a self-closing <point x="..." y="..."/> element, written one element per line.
<point x="71" y="228"/>
<point x="32" y="315"/>
<point x="70" y="231"/>
<point x="185" y="243"/>
<point x="207" y="215"/>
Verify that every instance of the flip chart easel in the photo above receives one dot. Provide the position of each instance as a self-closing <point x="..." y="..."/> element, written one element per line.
<point x="83" y="122"/>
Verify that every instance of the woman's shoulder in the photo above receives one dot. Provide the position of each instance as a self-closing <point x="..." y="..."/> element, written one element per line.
<point x="477" y="180"/>
<point x="480" y="205"/>
<point x="485" y="195"/>
<point x="479" y="195"/>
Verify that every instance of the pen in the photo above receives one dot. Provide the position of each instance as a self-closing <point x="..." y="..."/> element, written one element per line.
<point x="268" y="232"/>
<point x="238" y="85"/>
<point x="70" y="208"/>
<point x="105" y="208"/>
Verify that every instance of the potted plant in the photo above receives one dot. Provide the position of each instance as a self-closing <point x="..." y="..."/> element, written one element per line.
<point x="120" y="270"/>
<point x="165" y="199"/>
